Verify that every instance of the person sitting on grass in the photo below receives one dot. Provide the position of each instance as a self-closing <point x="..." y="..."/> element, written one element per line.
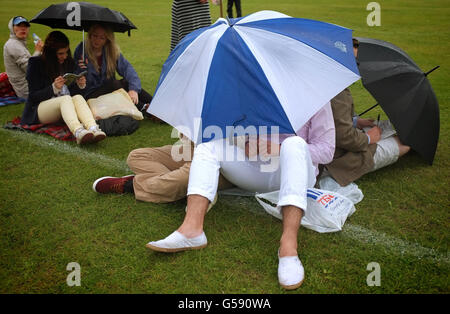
<point x="102" y="59"/>
<point x="298" y="155"/>
<point x="358" y="152"/>
<point x="50" y="99"/>
<point x="161" y="174"/>
<point x="16" y="54"/>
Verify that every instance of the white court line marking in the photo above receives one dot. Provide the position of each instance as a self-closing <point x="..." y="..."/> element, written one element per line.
<point x="60" y="146"/>
<point x="354" y="232"/>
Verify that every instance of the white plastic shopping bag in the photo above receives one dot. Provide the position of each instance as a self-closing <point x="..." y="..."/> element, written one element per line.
<point x="326" y="211"/>
<point x="351" y="191"/>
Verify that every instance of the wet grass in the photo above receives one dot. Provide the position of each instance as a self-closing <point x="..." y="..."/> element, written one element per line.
<point x="49" y="215"/>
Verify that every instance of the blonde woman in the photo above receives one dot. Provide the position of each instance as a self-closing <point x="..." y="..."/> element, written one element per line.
<point x="102" y="60"/>
<point x="50" y="99"/>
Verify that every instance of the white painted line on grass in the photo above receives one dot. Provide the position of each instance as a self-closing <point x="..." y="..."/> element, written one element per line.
<point x="360" y="234"/>
<point x="60" y="146"/>
<point x="393" y="244"/>
<point x="354" y="232"/>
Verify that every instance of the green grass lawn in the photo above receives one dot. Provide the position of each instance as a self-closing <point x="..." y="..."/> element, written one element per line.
<point x="49" y="215"/>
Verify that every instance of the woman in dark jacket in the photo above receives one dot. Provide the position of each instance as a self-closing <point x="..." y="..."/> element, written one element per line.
<point x="50" y="99"/>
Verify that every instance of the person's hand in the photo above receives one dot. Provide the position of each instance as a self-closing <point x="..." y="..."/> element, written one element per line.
<point x="251" y="147"/>
<point x="59" y="82"/>
<point x="134" y="96"/>
<point x="83" y="64"/>
<point x="364" y="123"/>
<point x="39" y="46"/>
<point x="262" y="147"/>
<point x="81" y="82"/>
<point x="374" y="134"/>
<point x="202" y="1"/>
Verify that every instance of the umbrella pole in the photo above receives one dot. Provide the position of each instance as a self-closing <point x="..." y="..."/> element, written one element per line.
<point x="83" y="46"/>
<point x="367" y="110"/>
<point x="221" y="9"/>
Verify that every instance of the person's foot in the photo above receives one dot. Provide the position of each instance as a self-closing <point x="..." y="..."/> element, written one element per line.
<point x="83" y="136"/>
<point x="177" y="242"/>
<point x="106" y="185"/>
<point x="290" y="272"/>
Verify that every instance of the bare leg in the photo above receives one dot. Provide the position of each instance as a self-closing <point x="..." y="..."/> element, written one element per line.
<point x="290" y="269"/>
<point x="190" y="235"/>
<point x="403" y="149"/>
<point x="192" y="225"/>
<point x="292" y="216"/>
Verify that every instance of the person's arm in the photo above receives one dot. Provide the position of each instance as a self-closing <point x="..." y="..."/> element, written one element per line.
<point x="321" y="138"/>
<point x="126" y="70"/>
<point x="20" y="55"/>
<point x="347" y="136"/>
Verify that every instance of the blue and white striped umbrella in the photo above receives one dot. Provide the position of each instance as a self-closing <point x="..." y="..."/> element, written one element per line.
<point x="265" y="69"/>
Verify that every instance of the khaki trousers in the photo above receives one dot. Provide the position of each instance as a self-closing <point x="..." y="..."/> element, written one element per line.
<point x="158" y="177"/>
<point x="71" y="109"/>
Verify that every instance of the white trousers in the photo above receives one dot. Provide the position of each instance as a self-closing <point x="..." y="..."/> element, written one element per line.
<point x="386" y="154"/>
<point x="292" y="174"/>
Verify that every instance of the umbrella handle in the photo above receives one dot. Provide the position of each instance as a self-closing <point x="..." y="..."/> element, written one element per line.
<point x="367" y="110"/>
<point x="426" y="74"/>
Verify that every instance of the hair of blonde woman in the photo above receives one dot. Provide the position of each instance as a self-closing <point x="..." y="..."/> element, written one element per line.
<point x="111" y="50"/>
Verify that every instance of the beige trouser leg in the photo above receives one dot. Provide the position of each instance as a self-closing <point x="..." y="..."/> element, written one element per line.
<point x="69" y="109"/>
<point x="83" y="111"/>
<point x="160" y="179"/>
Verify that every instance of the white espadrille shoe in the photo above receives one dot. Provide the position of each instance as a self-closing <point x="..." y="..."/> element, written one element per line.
<point x="177" y="242"/>
<point x="290" y="272"/>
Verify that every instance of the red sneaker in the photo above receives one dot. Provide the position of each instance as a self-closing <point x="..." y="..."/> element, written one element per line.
<point x="111" y="184"/>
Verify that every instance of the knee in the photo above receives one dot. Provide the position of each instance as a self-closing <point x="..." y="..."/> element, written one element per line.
<point x="293" y="147"/>
<point x="204" y="149"/>
<point x="66" y="98"/>
<point x="77" y="98"/>
<point x="135" y="154"/>
<point x="293" y="142"/>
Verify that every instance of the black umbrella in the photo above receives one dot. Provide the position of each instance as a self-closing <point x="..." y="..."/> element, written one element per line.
<point x="81" y="16"/>
<point x="403" y="92"/>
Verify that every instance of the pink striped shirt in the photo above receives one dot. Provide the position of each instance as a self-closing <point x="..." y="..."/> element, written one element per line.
<point x="319" y="134"/>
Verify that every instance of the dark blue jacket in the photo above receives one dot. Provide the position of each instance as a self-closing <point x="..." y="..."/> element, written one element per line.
<point x="40" y="89"/>
<point x="95" y="79"/>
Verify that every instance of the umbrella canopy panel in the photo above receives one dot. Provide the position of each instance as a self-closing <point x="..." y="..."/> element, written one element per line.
<point x="404" y="93"/>
<point x="266" y="69"/>
<point x="81" y="16"/>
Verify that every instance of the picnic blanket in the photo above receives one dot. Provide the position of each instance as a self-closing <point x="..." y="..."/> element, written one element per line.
<point x="58" y="131"/>
<point x="7" y="94"/>
<point x="11" y="100"/>
<point x="113" y="126"/>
